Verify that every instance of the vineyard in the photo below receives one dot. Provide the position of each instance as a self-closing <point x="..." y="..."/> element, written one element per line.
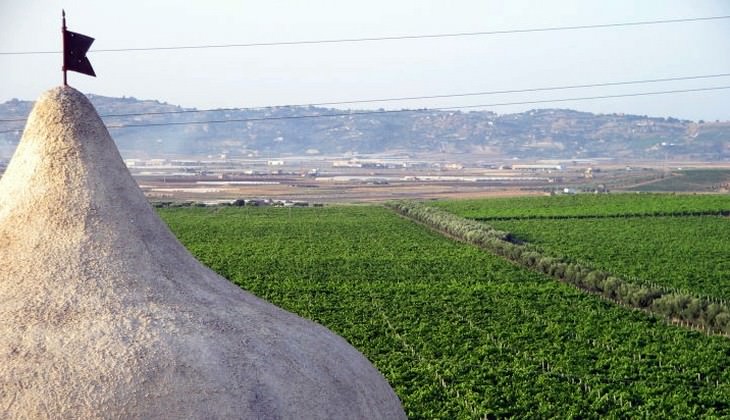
<point x="457" y="331"/>
<point x="589" y="206"/>
<point x="682" y="251"/>
<point x="689" y="253"/>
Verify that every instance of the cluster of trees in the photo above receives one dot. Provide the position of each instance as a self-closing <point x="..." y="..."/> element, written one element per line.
<point x="677" y="307"/>
<point x="468" y="230"/>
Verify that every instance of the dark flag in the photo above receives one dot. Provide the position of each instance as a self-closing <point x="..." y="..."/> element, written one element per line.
<point x="75" y="47"/>
<point x="74" y="57"/>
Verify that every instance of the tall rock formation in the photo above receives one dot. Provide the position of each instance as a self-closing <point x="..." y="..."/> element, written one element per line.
<point x="104" y="314"/>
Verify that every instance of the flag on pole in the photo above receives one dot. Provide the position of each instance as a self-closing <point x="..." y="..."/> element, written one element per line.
<point x="75" y="46"/>
<point x="74" y="57"/>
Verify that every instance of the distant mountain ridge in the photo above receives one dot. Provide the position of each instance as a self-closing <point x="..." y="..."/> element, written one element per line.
<point x="536" y="134"/>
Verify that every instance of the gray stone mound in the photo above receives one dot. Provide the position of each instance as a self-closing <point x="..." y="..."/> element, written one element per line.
<point x="104" y="314"/>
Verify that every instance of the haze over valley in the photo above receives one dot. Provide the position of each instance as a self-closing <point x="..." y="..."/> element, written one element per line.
<point x="286" y="131"/>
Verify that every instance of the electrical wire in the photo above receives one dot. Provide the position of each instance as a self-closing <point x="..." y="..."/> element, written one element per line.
<point x="453" y="95"/>
<point x="357" y="113"/>
<point x="360" y="113"/>
<point x="394" y="37"/>
<point x="407" y="98"/>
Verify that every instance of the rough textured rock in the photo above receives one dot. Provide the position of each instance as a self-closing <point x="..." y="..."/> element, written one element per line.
<point x="105" y="315"/>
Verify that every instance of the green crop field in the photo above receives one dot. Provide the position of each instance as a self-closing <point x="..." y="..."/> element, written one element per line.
<point x="689" y="253"/>
<point x="457" y="332"/>
<point x="685" y="252"/>
<point x="587" y="205"/>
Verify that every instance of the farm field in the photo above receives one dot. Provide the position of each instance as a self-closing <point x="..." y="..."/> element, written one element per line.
<point x="689" y="253"/>
<point x="457" y="332"/>
<point x="684" y="252"/>
<point x="709" y="180"/>
<point x="586" y="205"/>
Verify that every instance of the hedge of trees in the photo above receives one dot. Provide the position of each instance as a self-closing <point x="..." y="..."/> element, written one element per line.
<point x="675" y="306"/>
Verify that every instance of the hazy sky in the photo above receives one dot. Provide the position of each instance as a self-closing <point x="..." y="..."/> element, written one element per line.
<point x="300" y="74"/>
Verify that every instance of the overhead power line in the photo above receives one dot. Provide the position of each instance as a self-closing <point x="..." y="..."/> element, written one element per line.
<point x="356" y="113"/>
<point x="407" y="98"/>
<point x="452" y="95"/>
<point x="394" y="37"/>
<point x="359" y="113"/>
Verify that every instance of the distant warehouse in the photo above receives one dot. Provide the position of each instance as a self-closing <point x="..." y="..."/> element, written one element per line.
<point x="537" y="168"/>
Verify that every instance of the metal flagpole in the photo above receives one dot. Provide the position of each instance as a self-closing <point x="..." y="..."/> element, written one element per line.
<point x="63" y="37"/>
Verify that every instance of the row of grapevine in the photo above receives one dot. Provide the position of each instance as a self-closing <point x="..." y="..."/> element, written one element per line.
<point x="692" y="310"/>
